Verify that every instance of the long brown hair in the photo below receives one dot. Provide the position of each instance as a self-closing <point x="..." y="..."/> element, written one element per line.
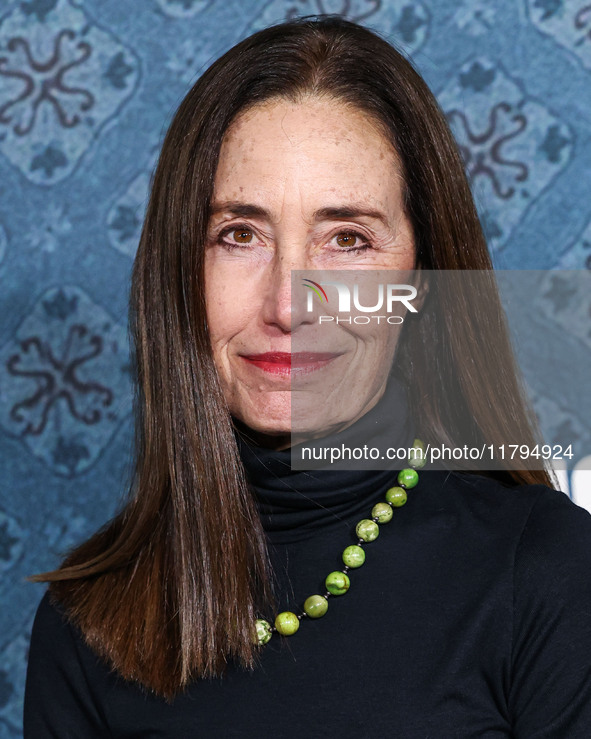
<point x="168" y="589"/>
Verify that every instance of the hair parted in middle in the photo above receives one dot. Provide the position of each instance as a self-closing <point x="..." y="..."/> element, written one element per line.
<point x="168" y="589"/>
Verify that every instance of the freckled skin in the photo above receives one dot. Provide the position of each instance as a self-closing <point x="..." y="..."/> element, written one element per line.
<point x="294" y="159"/>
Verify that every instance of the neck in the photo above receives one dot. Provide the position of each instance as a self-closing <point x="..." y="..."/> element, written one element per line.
<point x="294" y="503"/>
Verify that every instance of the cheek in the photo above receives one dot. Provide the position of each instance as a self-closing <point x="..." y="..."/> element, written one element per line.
<point x="379" y="345"/>
<point x="225" y="320"/>
<point x="229" y="304"/>
<point x="221" y="318"/>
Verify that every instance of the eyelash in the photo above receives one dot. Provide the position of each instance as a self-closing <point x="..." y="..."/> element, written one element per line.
<point x="366" y="244"/>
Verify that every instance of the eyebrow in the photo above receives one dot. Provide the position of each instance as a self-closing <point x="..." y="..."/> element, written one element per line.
<point x="334" y="213"/>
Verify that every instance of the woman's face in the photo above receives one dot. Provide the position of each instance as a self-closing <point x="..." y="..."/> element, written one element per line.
<point x="312" y="185"/>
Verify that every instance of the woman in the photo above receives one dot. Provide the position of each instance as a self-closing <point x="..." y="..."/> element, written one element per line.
<point x="314" y="145"/>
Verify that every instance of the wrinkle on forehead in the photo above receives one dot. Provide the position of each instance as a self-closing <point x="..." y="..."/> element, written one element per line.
<point x="318" y="152"/>
<point x="354" y="115"/>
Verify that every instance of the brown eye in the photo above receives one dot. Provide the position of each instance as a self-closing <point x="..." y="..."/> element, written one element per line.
<point x="346" y="239"/>
<point x="242" y="236"/>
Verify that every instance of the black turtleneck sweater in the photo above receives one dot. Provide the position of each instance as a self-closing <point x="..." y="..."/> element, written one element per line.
<point x="471" y="617"/>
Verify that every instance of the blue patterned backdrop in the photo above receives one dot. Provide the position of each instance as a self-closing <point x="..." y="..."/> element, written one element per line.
<point x="87" y="89"/>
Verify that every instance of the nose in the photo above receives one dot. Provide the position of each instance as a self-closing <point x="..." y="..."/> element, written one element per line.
<point x="284" y="304"/>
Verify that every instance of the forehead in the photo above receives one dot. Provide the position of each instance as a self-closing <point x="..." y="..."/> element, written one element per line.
<point x="314" y="148"/>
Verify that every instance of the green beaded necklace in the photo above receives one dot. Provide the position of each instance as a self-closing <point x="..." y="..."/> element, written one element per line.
<point x="338" y="582"/>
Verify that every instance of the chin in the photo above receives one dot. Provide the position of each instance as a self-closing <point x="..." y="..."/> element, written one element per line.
<point x="268" y="418"/>
<point x="278" y="415"/>
<point x="269" y="428"/>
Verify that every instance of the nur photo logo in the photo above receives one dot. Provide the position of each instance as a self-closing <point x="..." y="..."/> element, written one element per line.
<point x="388" y="296"/>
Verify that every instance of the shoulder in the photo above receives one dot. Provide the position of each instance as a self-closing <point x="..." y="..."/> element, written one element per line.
<point x="554" y="550"/>
<point x="528" y="523"/>
<point x="552" y="515"/>
<point x="550" y="691"/>
<point x="535" y="507"/>
<point x="487" y="501"/>
<point x="56" y="640"/>
<point x="51" y="625"/>
<point x="540" y="542"/>
<point x="65" y="687"/>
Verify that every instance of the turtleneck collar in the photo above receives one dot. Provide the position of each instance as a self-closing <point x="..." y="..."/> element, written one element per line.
<point x="295" y="504"/>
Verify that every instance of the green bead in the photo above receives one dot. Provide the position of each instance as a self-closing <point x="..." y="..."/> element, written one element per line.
<point x="337" y="583"/>
<point x="353" y="556"/>
<point x="263" y="631"/>
<point x="396" y="496"/>
<point x="316" y="606"/>
<point x="367" y="530"/>
<point x="382" y="511"/>
<point x="287" y="623"/>
<point x="417" y="459"/>
<point x="408" y="477"/>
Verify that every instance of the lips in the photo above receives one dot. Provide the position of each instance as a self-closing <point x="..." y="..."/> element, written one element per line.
<point x="287" y="362"/>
